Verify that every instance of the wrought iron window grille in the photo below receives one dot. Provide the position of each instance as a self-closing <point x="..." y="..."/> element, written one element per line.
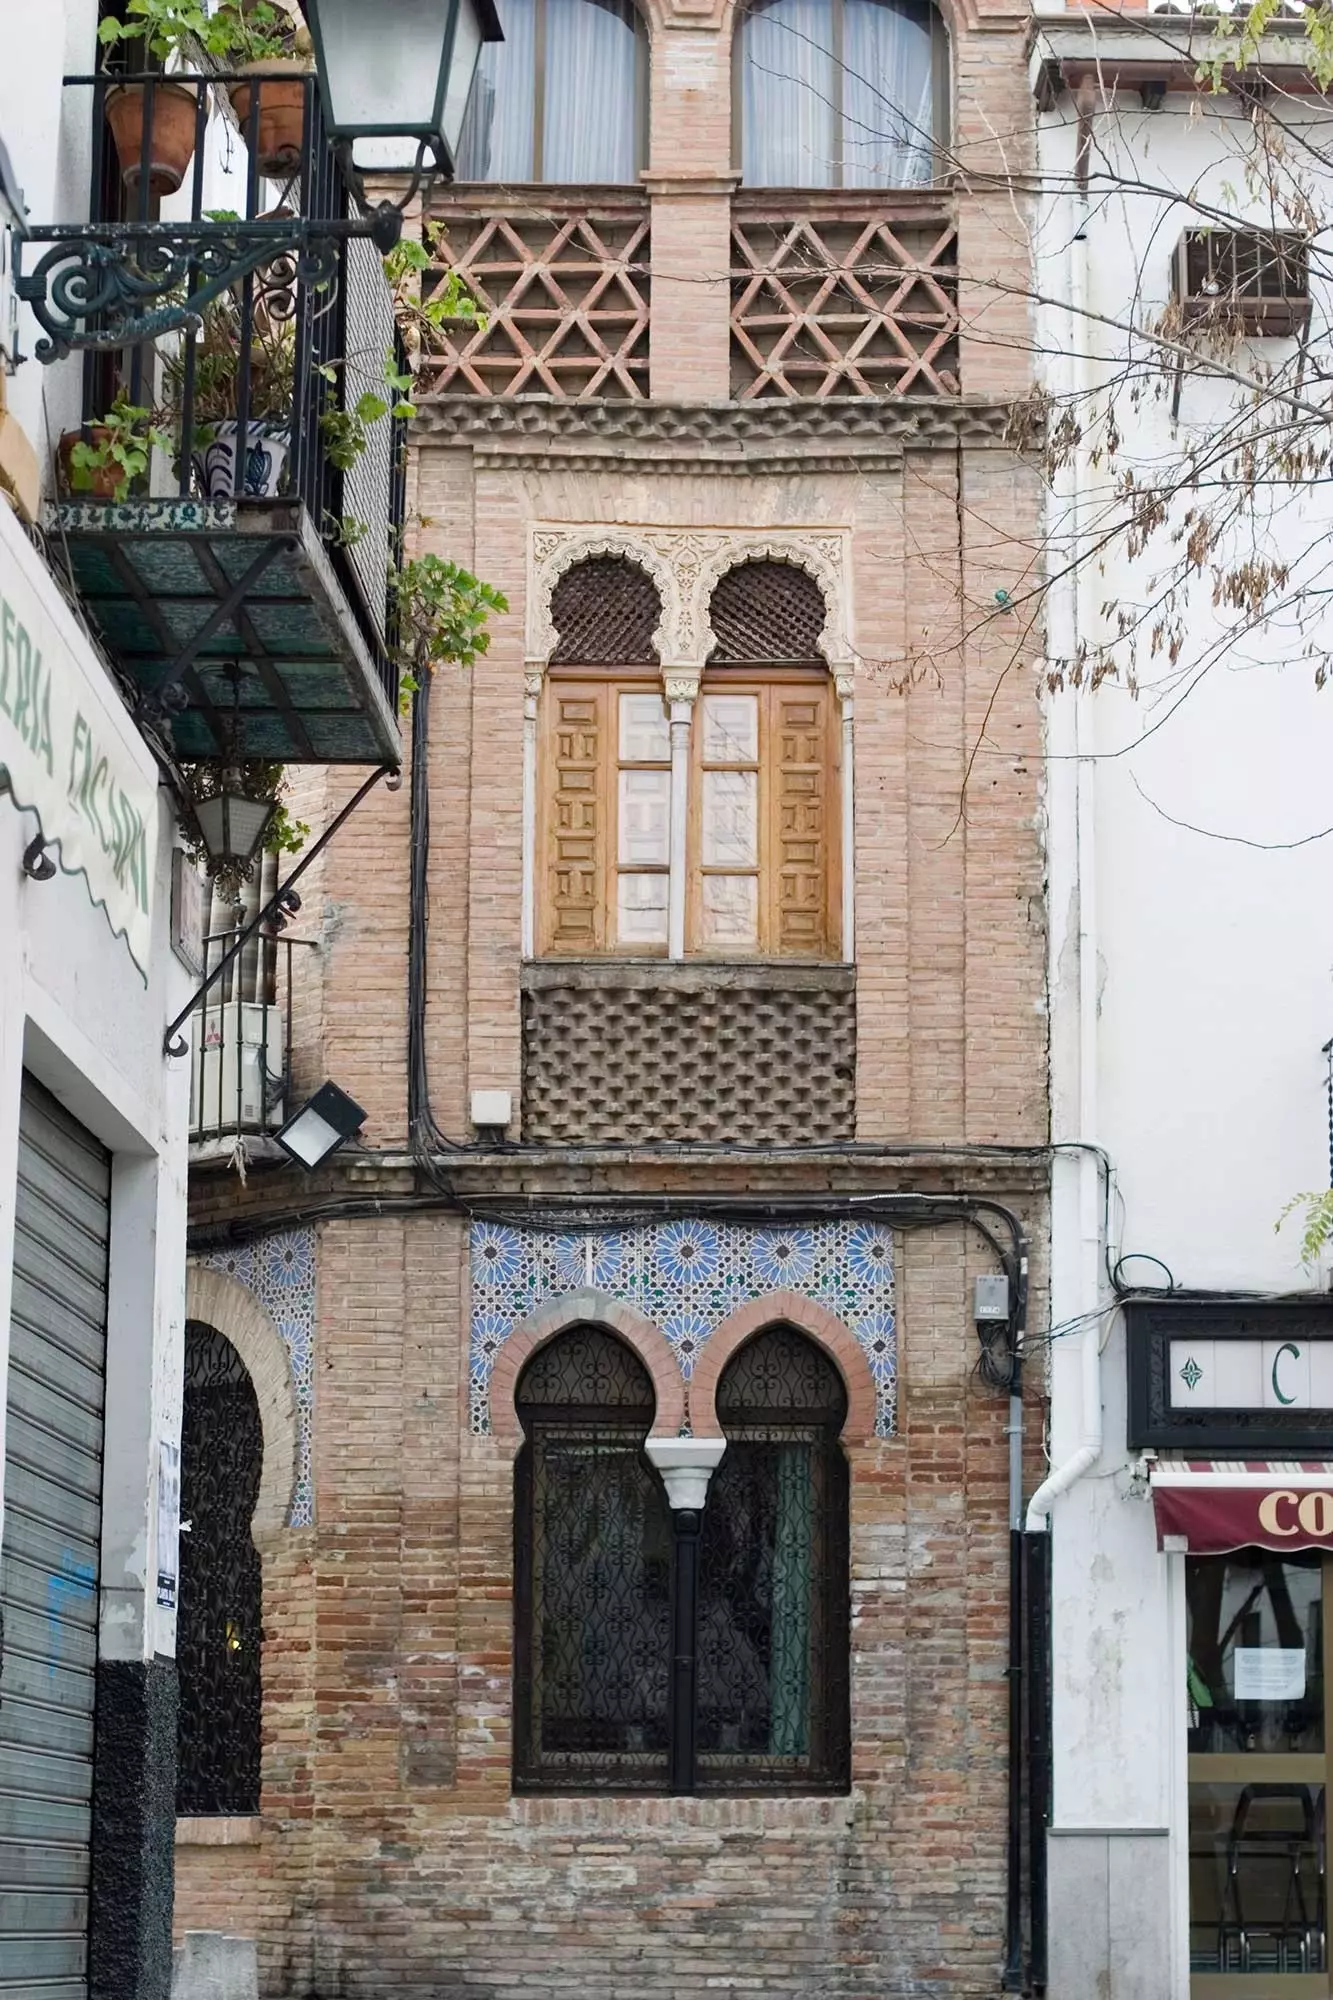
<point x="219" y="1622"/>
<point x="601" y="1564"/>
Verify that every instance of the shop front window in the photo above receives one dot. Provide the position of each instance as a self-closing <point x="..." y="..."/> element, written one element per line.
<point x="1258" y="1737"/>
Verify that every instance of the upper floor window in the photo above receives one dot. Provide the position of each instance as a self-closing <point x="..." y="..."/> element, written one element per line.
<point x="841" y="93"/>
<point x="562" y="98"/>
<point x="759" y="853"/>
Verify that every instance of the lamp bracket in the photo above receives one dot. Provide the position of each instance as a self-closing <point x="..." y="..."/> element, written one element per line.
<point x="109" y="285"/>
<point x="173" y="1042"/>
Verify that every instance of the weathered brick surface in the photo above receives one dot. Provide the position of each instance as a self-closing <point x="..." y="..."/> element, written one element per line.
<point x="394" y="1862"/>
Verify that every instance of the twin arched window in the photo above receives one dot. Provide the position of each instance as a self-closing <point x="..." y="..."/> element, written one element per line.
<point x="829" y="93"/>
<point x="761" y="830"/>
<point x="598" y="1576"/>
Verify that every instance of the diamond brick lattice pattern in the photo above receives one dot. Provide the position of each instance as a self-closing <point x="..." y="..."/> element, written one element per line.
<point x="842" y="304"/>
<point x="620" y="1053"/>
<point x="562" y="294"/>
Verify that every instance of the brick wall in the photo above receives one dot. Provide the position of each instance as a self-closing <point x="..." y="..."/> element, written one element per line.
<point x="393" y="1861"/>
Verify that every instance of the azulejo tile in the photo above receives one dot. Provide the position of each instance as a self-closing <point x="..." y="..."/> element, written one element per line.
<point x="280" y="1271"/>
<point x="686" y="1276"/>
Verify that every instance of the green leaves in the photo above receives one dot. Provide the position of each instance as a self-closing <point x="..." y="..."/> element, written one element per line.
<point x="1318" y="1229"/>
<point x="443" y="615"/>
<point x="122" y="442"/>
<point x="234" y="33"/>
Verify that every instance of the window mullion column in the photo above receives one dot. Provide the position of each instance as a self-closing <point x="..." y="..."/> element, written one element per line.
<point x="681" y="686"/>
<point x="533" y="677"/>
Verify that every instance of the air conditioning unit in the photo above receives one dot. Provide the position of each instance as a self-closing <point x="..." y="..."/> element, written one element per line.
<point x="1251" y="281"/>
<point x="236" y="1081"/>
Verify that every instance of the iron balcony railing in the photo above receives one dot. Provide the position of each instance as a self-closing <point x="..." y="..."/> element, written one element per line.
<point x="261" y="404"/>
<point x="241" y="1039"/>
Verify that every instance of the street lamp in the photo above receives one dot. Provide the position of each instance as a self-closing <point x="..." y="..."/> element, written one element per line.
<point x="400" y="69"/>
<point x="232" y="826"/>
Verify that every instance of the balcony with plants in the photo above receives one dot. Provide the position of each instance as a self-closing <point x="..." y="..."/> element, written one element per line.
<point x="231" y="507"/>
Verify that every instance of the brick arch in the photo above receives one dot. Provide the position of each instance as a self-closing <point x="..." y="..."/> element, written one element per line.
<point x="587" y="1308"/>
<point x="233" y="1310"/>
<point x="809" y="1318"/>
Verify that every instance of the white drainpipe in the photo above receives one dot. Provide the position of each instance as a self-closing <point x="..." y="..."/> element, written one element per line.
<point x="1089" y="1448"/>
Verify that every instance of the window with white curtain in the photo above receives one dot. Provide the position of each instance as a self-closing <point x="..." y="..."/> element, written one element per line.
<point x="562" y="98"/>
<point x="841" y="93"/>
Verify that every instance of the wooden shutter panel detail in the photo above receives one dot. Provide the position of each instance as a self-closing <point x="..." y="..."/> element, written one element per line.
<point x="799" y="746"/>
<point x="576" y="829"/>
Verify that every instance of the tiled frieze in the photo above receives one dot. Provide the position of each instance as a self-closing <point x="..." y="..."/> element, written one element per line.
<point x="686" y="1277"/>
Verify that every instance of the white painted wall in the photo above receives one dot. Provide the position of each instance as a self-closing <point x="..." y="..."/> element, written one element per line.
<point x="73" y="1007"/>
<point x="1200" y="1073"/>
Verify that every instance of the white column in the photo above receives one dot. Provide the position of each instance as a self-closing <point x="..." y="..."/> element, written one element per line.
<point x="532" y="689"/>
<point x="681" y="685"/>
<point x="843" y="681"/>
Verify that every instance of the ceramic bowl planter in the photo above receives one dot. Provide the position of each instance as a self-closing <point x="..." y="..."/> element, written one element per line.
<point x="175" y="120"/>
<point x="266" y="448"/>
<point x="280" y="120"/>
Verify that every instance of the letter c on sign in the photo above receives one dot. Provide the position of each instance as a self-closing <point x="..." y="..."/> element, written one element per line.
<point x="1268" y="1514"/>
<point x="1315" y="1514"/>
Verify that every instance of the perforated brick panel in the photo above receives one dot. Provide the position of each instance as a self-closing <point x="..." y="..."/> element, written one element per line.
<point x="616" y="1053"/>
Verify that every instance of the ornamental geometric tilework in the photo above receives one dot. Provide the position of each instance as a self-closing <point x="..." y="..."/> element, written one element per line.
<point x="280" y="1271"/>
<point x="686" y="1277"/>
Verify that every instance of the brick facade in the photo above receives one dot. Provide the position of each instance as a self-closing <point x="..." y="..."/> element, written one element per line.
<point x="393" y="1859"/>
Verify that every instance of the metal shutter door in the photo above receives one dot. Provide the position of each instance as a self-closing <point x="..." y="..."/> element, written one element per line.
<point x="48" y="1580"/>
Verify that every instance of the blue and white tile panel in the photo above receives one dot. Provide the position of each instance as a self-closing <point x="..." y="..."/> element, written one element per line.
<point x="686" y="1277"/>
<point x="280" y="1271"/>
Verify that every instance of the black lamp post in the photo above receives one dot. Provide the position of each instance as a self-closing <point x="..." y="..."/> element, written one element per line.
<point x="387" y="69"/>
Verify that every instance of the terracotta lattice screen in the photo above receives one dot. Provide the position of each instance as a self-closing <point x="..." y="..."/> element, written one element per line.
<point x="562" y="292"/>
<point x="843" y="297"/>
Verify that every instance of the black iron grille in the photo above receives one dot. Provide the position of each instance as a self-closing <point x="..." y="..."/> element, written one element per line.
<point x="219" y="1620"/>
<point x="599" y="1574"/>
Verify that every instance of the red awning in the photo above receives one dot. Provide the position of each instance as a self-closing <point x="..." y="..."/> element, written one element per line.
<point x="1208" y="1506"/>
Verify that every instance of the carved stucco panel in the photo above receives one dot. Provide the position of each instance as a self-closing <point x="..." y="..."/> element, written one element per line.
<point x="685" y="564"/>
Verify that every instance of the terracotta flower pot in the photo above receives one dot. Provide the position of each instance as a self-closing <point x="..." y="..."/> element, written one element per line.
<point x="98" y="484"/>
<point x="281" y="116"/>
<point x="175" y="114"/>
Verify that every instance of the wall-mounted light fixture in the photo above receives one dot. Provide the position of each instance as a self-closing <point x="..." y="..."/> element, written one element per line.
<point x="325" y="1122"/>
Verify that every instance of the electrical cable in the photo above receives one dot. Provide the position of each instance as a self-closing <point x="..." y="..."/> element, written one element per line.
<point x="425" y="1138"/>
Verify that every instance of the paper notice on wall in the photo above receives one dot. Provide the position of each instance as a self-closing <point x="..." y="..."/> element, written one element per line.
<point x="1269" y="1673"/>
<point x="168" y="1522"/>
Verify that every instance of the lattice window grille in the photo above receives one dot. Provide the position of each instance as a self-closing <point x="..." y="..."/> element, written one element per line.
<point x="766" y="612"/>
<point x="605" y="610"/>
<point x="371" y="341"/>
<point x="563" y="306"/>
<point x="829" y="307"/>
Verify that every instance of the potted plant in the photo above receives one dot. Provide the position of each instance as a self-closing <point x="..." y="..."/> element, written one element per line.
<point x="214" y="439"/>
<point x="106" y="458"/>
<point x="268" y="45"/>
<point x="163" y="27"/>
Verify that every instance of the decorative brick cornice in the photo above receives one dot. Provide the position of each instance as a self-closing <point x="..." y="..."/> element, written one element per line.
<point x="790" y="432"/>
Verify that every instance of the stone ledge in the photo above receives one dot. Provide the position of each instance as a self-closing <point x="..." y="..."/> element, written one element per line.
<point x="688" y="975"/>
<point x="221" y="1830"/>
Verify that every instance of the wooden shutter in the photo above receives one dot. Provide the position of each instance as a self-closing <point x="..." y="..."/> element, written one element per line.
<point x="798" y="818"/>
<point x="576" y="819"/>
<point x="799" y="847"/>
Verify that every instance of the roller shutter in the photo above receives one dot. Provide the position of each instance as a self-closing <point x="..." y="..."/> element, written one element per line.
<point x="48" y="1579"/>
